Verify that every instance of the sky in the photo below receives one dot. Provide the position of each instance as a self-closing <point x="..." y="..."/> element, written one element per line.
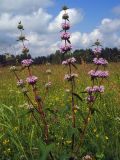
<point x="89" y="19"/>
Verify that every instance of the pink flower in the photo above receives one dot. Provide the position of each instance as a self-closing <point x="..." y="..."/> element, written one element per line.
<point x="97" y="50"/>
<point x="69" y="61"/>
<point x="65" y="36"/>
<point x="20" y="83"/>
<point x="65" y="26"/>
<point x="98" y="74"/>
<point x="27" y="62"/>
<point x="100" y="61"/>
<point x="32" y="80"/>
<point x="95" y="89"/>
<point x="66" y="48"/>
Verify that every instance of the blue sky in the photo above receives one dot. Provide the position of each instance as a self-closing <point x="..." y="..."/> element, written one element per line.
<point x="90" y="20"/>
<point x="94" y="11"/>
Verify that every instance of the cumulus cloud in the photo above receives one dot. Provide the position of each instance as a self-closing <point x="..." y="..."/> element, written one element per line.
<point x="75" y="17"/>
<point x="43" y="33"/>
<point x="23" y="6"/>
<point x="42" y="28"/>
<point x="33" y="21"/>
<point x="108" y="33"/>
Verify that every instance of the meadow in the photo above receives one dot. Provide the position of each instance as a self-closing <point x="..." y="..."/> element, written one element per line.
<point x="21" y="136"/>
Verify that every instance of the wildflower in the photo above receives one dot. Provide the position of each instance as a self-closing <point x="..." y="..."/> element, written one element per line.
<point x="100" y="61"/>
<point x="20" y="83"/>
<point x="13" y="68"/>
<point x="32" y="80"/>
<point x="70" y="77"/>
<point x="95" y="130"/>
<point x="66" y="48"/>
<point x="65" y="26"/>
<point x="6" y="141"/>
<point x="69" y="61"/>
<point x="27" y="62"/>
<point x="90" y="98"/>
<point x="98" y="74"/>
<point x="48" y="71"/>
<point x="97" y="135"/>
<point x="95" y="89"/>
<point x="65" y="36"/>
<point x="106" y="137"/>
<point x="47" y="85"/>
<point x="68" y="141"/>
<point x="87" y="157"/>
<point x="97" y="50"/>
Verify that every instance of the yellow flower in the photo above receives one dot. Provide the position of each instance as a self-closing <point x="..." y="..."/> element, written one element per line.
<point x="68" y="142"/>
<point x="16" y="128"/>
<point x="8" y="150"/>
<point x="97" y="135"/>
<point x="106" y="138"/>
<point x="5" y="141"/>
<point x="94" y="130"/>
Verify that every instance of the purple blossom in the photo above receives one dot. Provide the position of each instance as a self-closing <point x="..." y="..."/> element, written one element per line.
<point x="100" y="61"/>
<point x="65" y="36"/>
<point x="27" y="62"/>
<point x="20" y="83"/>
<point x="95" y="89"/>
<point x="97" y="50"/>
<point x="90" y="98"/>
<point x="66" y="48"/>
<point x="69" y="77"/>
<point x="98" y="74"/>
<point x="32" y="80"/>
<point x="65" y="26"/>
<point x="69" y="61"/>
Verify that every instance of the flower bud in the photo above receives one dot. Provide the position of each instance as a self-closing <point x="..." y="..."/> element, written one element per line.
<point x="65" y="16"/>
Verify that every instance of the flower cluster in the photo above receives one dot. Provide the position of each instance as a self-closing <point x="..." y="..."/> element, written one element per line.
<point x="87" y="157"/>
<point x="65" y="26"/>
<point x="98" y="74"/>
<point x="48" y="84"/>
<point x="32" y="80"/>
<point x="66" y="48"/>
<point x="20" y="83"/>
<point x="100" y="61"/>
<point x="65" y="36"/>
<point x="27" y="62"/>
<point x="70" y="77"/>
<point x="95" y="89"/>
<point x="97" y="50"/>
<point x="69" y="61"/>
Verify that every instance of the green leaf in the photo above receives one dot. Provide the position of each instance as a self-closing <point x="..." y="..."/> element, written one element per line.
<point x="76" y="95"/>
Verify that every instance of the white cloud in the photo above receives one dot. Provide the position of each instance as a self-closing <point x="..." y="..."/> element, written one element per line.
<point x="110" y="25"/>
<point x="33" y="21"/>
<point x="108" y="33"/>
<point x="23" y="6"/>
<point x="75" y="17"/>
<point x="42" y="29"/>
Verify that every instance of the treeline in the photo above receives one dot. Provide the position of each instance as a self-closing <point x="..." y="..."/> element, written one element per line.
<point x="86" y="56"/>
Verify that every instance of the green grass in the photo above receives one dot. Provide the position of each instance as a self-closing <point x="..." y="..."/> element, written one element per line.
<point x="21" y="137"/>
